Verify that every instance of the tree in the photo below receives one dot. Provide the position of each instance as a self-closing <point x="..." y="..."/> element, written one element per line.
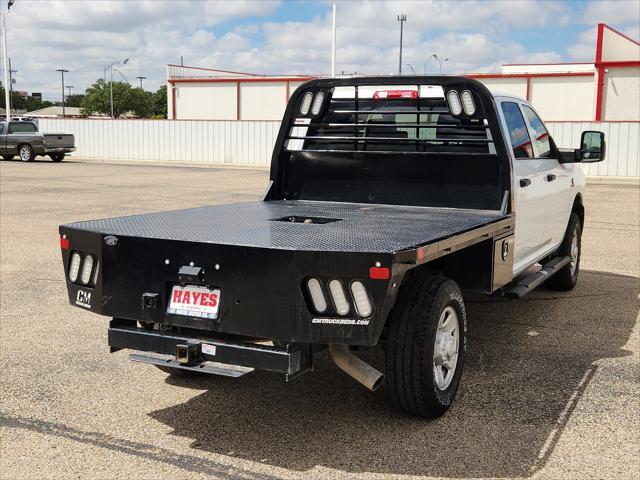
<point x="160" y="102"/>
<point x="126" y="99"/>
<point x="23" y="103"/>
<point x="73" y="100"/>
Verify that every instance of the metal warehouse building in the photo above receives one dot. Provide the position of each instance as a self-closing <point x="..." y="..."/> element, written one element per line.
<point x="607" y="89"/>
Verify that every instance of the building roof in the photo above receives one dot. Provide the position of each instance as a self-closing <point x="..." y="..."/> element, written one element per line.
<point x="55" y="111"/>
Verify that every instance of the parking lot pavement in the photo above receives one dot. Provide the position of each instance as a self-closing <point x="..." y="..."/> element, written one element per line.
<point x="551" y="388"/>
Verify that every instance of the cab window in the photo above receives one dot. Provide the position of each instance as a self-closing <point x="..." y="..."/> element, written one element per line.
<point x="541" y="145"/>
<point x="22" y="127"/>
<point x="520" y="141"/>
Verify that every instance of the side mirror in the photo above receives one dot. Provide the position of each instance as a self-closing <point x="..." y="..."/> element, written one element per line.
<point x="592" y="147"/>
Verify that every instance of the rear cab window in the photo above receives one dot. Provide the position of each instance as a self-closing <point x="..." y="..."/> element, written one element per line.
<point x="518" y="133"/>
<point x="389" y="118"/>
<point x="22" y="127"/>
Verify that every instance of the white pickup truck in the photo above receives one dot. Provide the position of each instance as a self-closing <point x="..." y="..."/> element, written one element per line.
<point x="388" y="197"/>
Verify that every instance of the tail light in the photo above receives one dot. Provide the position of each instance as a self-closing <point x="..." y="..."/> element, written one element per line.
<point x="454" y="103"/>
<point x="317" y="296"/>
<point x="339" y="297"/>
<point x="394" y="94"/>
<point x="361" y="299"/>
<point x="74" y="266"/>
<point x="468" y="104"/>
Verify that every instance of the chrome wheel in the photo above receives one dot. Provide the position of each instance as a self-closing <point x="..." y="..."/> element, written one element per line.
<point x="445" y="351"/>
<point x="573" y="253"/>
<point x="25" y="153"/>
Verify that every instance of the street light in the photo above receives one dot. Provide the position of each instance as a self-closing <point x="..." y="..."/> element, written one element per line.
<point x="62" y="72"/>
<point x="438" y="59"/>
<point x="411" y="67"/>
<point x="401" y="18"/>
<point x="111" y="82"/>
<point x="69" y="87"/>
<point x="141" y="78"/>
<point x="7" y="69"/>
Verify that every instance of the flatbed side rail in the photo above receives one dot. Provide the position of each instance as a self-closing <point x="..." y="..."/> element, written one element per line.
<point x="432" y="251"/>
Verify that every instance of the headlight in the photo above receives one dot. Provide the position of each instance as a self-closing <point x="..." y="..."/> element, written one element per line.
<point x="454" y="102"/>
<point x="467" y="102"/>
<point x="361" y="299"/>
<point x="317" y="297"/>
<point x="338" y="296"/>
<point x="74" y="266"/>
<point x="87" y="267"/>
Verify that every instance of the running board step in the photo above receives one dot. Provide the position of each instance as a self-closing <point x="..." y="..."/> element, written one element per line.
<point x="530" y="282"/>
<point x="214" y="368"/>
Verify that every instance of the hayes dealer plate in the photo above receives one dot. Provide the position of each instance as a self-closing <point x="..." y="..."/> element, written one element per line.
<point x="194" y="301"/>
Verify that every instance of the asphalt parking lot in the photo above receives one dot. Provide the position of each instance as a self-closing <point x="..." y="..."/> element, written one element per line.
<point x="551" y="388"/>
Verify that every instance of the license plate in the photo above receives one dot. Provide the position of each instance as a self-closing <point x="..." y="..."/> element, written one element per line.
<point x="194" y="301"/>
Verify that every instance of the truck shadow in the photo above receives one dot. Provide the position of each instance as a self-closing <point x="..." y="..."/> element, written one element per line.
<point x="528" y="364"/>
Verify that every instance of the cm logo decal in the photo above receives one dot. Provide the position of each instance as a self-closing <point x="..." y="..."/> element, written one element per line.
<point x="83" y="299"/>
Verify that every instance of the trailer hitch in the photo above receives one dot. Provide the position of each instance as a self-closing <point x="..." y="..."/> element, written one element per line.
<point x="188" y="354"/>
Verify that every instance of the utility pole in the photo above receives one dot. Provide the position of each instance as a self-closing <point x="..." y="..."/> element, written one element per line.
<point x="401" y="18"/>
<point x="141" y="78"/>
<point x="11" y="72"/>
<point x="333" y="42"/>
<point x="7" y="96"/>
<point x="62" y="72"/>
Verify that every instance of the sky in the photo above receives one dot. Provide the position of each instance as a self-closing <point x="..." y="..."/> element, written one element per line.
<point x="294" y="37"/>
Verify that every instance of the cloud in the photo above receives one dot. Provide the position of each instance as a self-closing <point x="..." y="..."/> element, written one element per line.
<point x="613" y="12"/>
<point x="268" y="37"/>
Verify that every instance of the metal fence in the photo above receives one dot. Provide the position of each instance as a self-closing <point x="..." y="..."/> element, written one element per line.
<point x="251" y="142"/>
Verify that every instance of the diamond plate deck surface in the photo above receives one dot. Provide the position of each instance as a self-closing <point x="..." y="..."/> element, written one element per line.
<point x="363" y="227"/>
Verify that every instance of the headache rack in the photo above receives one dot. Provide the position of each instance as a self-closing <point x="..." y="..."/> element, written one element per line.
<point x="384" y="119"/>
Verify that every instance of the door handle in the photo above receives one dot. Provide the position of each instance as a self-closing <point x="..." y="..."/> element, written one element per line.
<point x="524" y="182"/>
<point x="551" y="177"/>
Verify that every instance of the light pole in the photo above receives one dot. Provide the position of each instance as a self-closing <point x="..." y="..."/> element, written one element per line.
<point x="7" y="86"/>
<point x="111" y="82"/>
<point x="438" y="59"/>
<point x="401" y="18"/>
<point x="62" y="72"/>
<point x="333" y="41"/>
<point x="141" y="78"/>
<point x="69" y="87"/>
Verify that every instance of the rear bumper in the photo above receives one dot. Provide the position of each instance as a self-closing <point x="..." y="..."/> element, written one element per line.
<point x="59" y="149"/>
<point x="292" y="360"/>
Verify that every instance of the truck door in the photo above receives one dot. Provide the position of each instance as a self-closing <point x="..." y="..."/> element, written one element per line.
<point x="3" y="140"/>
<point x="558" y="179"/>
<point x="529" y="177"/>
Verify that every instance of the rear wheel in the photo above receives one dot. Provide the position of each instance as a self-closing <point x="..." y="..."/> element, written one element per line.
<point x="426" y="344"/>
<point x="57" y="157"/>
<point x="567" y="277"/>
<point x="25" y="152"/>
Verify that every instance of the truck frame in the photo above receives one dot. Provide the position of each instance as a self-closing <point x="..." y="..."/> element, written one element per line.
<point x="387" y="197"/>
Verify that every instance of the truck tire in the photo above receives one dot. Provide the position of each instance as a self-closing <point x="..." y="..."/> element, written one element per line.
<point x="426" y="346"/>
<point x="57" y="157"/>
<point x="25" y="152"/>
<point x="567" y="277"/>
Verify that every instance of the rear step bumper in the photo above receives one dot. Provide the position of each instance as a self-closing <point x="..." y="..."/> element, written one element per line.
<point x="207" y="355"/>
<point x="530" y="282"/>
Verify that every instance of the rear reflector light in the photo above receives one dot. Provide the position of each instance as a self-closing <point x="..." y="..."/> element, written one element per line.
<point x="317" y="297"/>
<point x="306" y="103"/>
<point x="317" y="103"/>
<point x="87" y="267"/>
<point x="361" y="299"/>
<point x="74" y="266"/>
<point x="454" y="102"/>
<point x="338" y="296"/>
<point x="467" y="102"/>
<point x="379" y="273"/>
<point x="391" y="94"/>
<point x="64" y="243"/>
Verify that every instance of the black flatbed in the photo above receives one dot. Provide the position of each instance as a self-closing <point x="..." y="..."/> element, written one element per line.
<point x="350" y="227"/>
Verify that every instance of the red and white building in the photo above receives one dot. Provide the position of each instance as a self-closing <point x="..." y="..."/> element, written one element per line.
<point x="607" y="89"/>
